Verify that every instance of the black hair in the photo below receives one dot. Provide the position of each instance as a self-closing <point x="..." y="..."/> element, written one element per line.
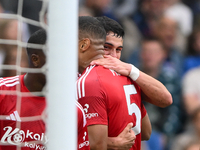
<point x="90" y="27"/>
<point x="38" y="37"/>
<point x="111" y="25"/>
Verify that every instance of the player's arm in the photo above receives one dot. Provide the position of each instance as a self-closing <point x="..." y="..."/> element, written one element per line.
<point x="98" y="135"/>
<point x="124" y="140"/>
<point x="146" y="128"/>
<point x="154" y="91"/>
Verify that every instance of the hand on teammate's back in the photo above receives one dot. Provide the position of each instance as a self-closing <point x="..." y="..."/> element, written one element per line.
<point x="114" y="64"/>
<point x="127" y="137"/>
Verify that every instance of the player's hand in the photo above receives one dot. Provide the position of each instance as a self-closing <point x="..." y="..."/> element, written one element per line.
<point x="114" y="64"/>
<point x="127" y="138"/>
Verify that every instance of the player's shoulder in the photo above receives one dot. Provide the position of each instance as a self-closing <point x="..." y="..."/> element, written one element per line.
<point x="97" y="70"/>
<point x="104" y="72"/>
<point x="96" y="75"/>
<point x="9" y="82"/>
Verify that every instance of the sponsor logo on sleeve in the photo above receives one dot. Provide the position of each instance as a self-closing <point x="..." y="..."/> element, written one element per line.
<point x="85" y="143"/>
<point x="89" y="115"/>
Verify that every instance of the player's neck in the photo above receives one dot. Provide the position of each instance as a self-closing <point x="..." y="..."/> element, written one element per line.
<point x="35" y="82"/>
<point x="86" y="63"/>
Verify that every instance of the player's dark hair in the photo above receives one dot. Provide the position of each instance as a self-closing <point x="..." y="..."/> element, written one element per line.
<point x="38" y="37"/>
<point x="90" y="27"/>
<point x="111" y="25"/>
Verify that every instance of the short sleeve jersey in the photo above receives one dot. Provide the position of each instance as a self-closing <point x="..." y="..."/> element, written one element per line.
<point x="111" y="99"/>
<point x="21" y="117"/>
<point x="83" y="141"/>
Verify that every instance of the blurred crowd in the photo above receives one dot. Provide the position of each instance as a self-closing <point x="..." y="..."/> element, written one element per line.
<point x="162" y="38"/>
<point x="14" y="32"/>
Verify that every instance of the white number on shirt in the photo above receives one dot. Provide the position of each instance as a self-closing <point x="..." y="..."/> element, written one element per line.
<point x="133" y="108"/>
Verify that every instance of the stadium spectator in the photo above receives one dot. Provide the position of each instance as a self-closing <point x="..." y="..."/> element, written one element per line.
<point x="117" y="9"/>
<point x="192" y="56"/>
<point x="188" y="137"/>
<point x="194" y="6"/>
<point x="121" y="9"/>
<point x="11" y="58"/>
<point x="152" y="57"/>
<point x="158" y="141"/>
<point x="193" y="146"/>
<point x="191" y="90"/>
<point x="175" y="9"/>
<point x="99" y="7"/>
<point x="84" y="11"/>
<point x="9" y="31"/>
<point x="147" y="14"/>
<point x="31" y="10"/>
<point x="165" y="32"/>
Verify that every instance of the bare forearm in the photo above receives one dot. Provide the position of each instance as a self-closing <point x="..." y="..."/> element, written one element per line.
<point x="117" y="143"/>
<point x="156" y="93"/>
<point x="124" y="140"/>
<point x="112" y="143"/>
<point x="98" y="137"/>
<point x="146" y="128"/>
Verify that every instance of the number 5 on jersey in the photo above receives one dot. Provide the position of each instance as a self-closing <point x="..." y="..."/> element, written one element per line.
<point x="132" y="107"/>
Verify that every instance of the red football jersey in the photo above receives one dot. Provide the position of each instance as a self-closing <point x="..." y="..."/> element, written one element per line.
<point x="83" y="141"/>
<point x="111" y="99"/>
<point x="21" y="117"/>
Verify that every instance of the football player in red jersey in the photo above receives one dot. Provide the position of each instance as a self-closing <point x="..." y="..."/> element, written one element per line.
<point x="150" y="87"/>
<point x="153" y="91"/>
<point x="110" y="100"/>
<point x="21" y="117"/>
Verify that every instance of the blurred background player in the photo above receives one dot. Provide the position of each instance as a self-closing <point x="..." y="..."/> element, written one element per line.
<point x="15" y="129"/>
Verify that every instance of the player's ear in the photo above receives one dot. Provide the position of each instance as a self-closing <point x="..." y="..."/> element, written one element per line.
<point x="84" y="44"/>
<point x="35" y="60"/>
